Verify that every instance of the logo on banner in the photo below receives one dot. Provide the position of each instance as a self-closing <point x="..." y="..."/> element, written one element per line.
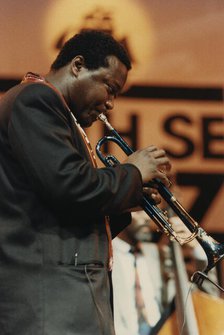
<point x="124" y="20"/>
<point x="101" y="19"/>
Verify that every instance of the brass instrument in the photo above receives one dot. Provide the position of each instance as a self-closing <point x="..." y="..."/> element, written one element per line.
<point x="213" y="249"/>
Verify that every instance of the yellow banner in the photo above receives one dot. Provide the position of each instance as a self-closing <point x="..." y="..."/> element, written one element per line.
<point x="192" y="133"/>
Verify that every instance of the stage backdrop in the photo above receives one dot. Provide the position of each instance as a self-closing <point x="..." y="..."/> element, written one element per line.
<point x="174" y="96"/>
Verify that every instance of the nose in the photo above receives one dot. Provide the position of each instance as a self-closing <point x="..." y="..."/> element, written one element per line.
<point x="109" y="104"/>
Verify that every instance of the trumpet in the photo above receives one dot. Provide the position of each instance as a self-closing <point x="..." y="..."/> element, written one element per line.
<point x="213" y="249"/>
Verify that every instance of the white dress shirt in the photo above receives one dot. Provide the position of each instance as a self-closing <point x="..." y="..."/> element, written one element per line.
<point x="123" y="276"/>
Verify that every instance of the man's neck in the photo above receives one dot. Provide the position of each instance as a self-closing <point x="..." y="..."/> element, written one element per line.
<point x="59" y="80"/>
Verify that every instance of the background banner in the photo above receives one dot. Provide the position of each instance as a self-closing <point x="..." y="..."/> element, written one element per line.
<point x="174" y="96"/>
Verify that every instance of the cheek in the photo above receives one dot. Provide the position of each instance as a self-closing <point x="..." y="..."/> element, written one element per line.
<point x="92" y="93"/>
<point x="99" y="94"/>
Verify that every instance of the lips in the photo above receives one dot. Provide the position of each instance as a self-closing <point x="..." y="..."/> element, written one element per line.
<point x="95" y="115"/>
<point x="92" y="117"/>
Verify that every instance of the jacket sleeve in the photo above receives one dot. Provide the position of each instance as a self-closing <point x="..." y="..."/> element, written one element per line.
<point x="119" y="222"/>
<point x="42" y="142"/>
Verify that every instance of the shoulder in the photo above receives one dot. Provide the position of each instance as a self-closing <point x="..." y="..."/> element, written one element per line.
<point x="37" y="91"/>
<point x="152" y="255"/>
<point x="150" y="249"/>
<point x="38" y="100"/>
<point x="28" y="91"/>
<point x="39" y="97"/>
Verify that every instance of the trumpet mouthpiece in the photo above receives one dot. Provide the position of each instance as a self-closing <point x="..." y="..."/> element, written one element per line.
<point x="103" y="118"/>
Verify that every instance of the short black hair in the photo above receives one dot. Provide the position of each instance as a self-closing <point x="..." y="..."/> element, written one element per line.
<point x="94" y="46"/>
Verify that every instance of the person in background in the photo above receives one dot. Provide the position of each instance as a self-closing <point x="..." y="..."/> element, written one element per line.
<point x="129" y="257"/>
<point x="135" y="251"/>
<point x="58" y="211"/>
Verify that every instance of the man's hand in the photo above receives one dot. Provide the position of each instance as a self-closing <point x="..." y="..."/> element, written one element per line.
<point x="152" y="163"/>
<point x="153" y="194"/>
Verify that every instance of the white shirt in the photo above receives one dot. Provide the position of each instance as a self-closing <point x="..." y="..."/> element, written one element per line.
<point x="123" y="276"/>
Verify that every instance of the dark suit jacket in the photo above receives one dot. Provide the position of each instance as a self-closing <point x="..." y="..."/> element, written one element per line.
<point x="53" y="241"/>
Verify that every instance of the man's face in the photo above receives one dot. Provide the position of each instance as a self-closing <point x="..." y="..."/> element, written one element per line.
<point x="94" y="91"/>
<point x="139" y="229"/>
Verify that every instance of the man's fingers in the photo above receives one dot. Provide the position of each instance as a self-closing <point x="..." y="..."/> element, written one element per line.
<point x="165" y="180"/>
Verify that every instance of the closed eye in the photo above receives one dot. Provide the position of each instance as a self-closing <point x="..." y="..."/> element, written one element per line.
<point x="112" y="91"/>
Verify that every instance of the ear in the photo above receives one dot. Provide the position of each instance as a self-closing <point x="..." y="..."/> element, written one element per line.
<point x="77" y="64"/>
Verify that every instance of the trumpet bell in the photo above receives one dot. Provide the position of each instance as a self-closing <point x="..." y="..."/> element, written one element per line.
<point x="212" y="248"/>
